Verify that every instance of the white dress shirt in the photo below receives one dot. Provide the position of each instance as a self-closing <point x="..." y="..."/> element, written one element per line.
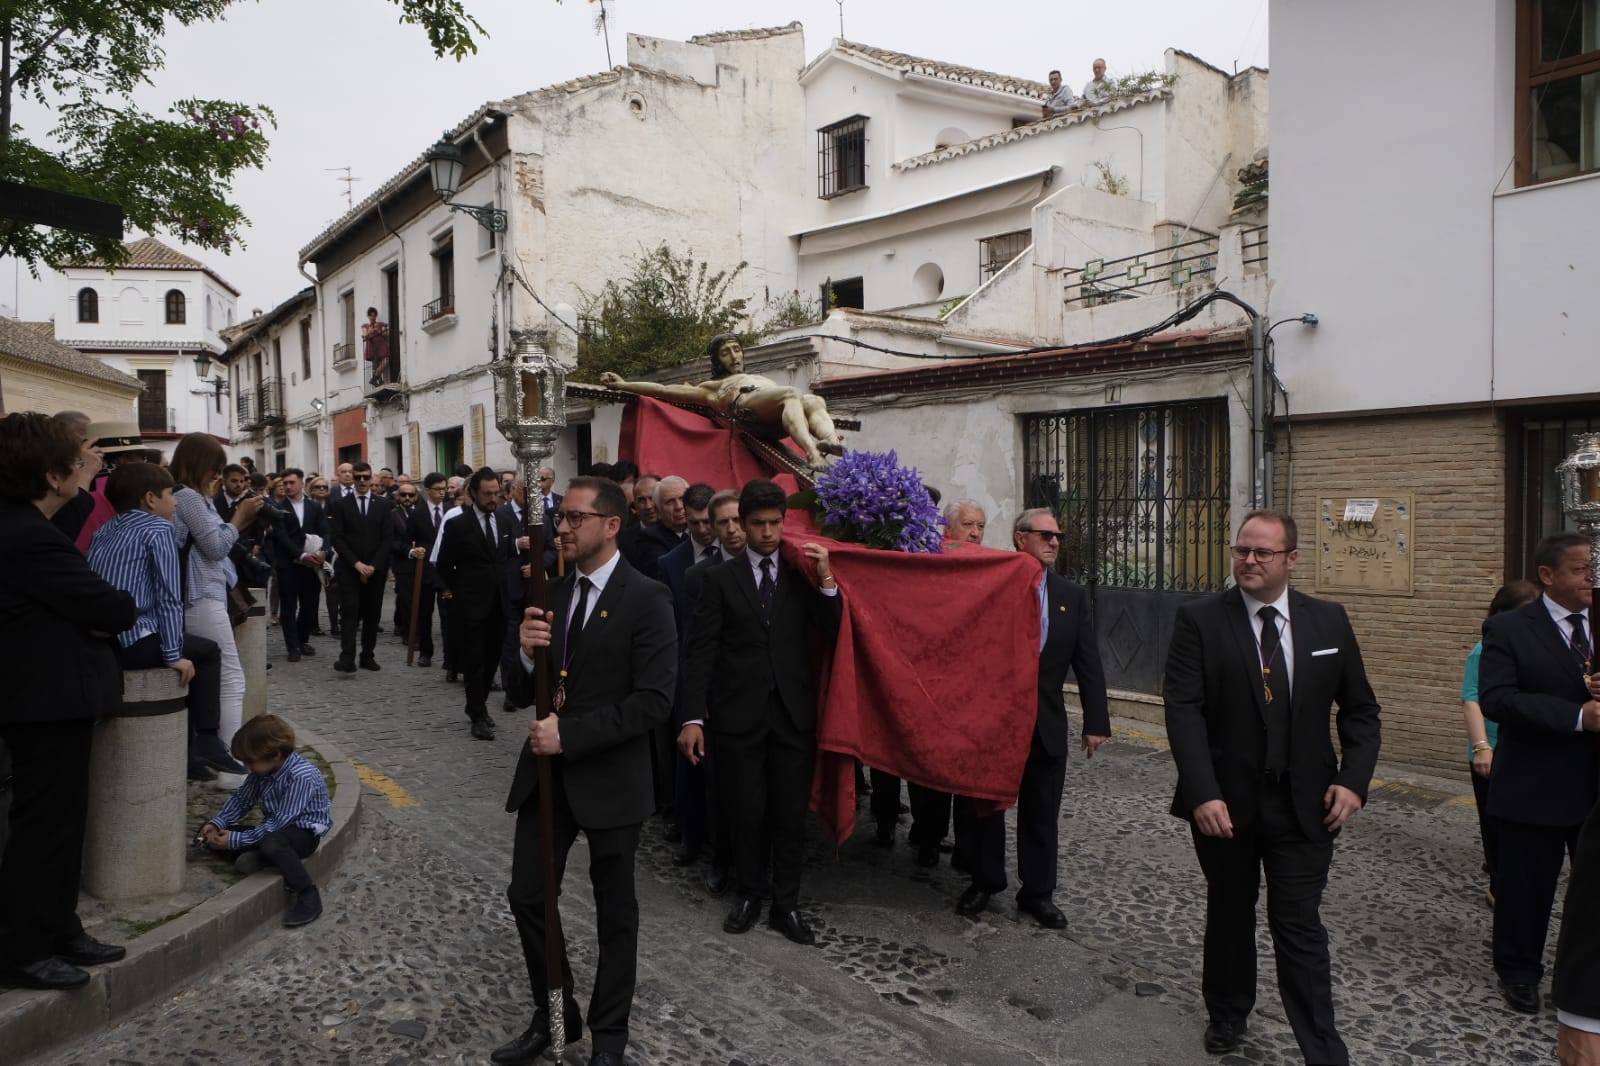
<point x="1559" y="615"/>
<point x="598" y="579"/>
<point x="1285" y="630"/>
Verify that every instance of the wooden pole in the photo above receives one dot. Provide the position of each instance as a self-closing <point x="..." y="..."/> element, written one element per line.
<point x="416" y="598"/>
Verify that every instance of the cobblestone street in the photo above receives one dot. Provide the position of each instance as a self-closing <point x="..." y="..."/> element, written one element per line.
<point x="416" y="958"/>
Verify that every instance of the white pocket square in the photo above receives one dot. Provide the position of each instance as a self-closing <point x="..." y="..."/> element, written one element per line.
<point x="1325" y="651"/>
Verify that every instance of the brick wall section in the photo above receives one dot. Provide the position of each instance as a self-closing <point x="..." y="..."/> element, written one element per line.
<point x="1414" y="647"/>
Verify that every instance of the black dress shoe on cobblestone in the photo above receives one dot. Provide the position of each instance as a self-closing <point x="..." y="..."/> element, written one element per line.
<point x="928" y="855"/>
<point x="450" y="677"/>
<point x="344" y="666"/>
<point x="425" y="661"/>
<point x="607" y="1058"/>
<point x="535" y="1040"/>
<point x="973" y="901"/>
<point x="743" y="916"/>
<point x="307" y="908"/>
<point x="1223" y="1037"/>
<point x="716" y="880"/>
<point x="685" y="856"/>
<point x="85" y="950"/>
<point x="51" y="975"/>
<point x="294" y="656"/>
<point x="883" y="836"/>
<point x="483" y="728"/>
<point x="1521" y="997"/>
<point x="306" y="649"/>
<point x="791" y="925"/>
<point x="369" y="663"/>
<point x="1044" y="912"/>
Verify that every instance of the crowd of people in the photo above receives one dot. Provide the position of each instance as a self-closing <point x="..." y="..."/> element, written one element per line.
<point x="676" y="643"/>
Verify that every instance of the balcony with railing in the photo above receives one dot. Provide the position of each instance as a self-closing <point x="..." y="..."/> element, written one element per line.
<point x="269" y="401"/>
<point x="1253" y="249"/>
<point x="344" y="356"/>
<point x="1161" y="270"/>
<point x="434" y="310"/>
<point x="247" y="409"/>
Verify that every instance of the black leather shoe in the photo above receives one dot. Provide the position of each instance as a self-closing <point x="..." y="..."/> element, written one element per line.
<point x="1521" y="997"/>
<point x="961" y="860"/>
<point x="685" y="856"/>
<point x="483" y="728"/>
<point x="717" y="880"/>
<point x="884" y="836"/>
<point x="973" y="901"/>
<point x="928" y="855"/>
<point x="307" y="908"/>
<point x="344" y="666"/>
<point x="507" y="707"/>
<point x="85" y="950"/>
<point x="607" y="1058"/>
<point x="450" y="677"/>
<point x="1044" y="912"/>
<point x="524" y="1050"/>
<point x="743" y="916"/>
<point x="50" y="974"/>
<point x="306" y="649"/>
<point x="294" y="656"/>
<point x="1223" y="1037"/>
<point x="369" y="663"/>
<point x="424" y="661"/>
<point x="791" y="925"/>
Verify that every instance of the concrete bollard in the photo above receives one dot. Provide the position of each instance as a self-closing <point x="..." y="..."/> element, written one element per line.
<point x="250" y="637"/>
<point x="134" y="843"/>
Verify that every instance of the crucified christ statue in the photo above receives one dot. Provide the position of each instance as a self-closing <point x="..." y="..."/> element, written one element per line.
<point x="749" y="397"/>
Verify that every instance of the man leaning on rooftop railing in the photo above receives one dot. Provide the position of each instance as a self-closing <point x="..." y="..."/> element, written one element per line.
<point x="1060" y="98"/>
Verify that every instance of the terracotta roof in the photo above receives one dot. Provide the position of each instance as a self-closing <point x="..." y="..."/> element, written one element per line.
<point x="1033" y="129"/>
<point x="148" y="253"/>
<point x="909" y="64"/>
<point x="1165" y="349"/>
<point x="746" y="35"/>
<point x="43" y="329"/>
<point x="146" y="346"/>
<point x="22" y="340"/>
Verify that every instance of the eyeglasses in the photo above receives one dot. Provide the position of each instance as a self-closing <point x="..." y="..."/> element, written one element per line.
<point x="574" y="519"/>
<point x="1261" y="555"/>
<point x="319" y="488"/>
<point x="406" y="495"/>
<point x="363" y="477"/>
<point x="1044" y="534"/>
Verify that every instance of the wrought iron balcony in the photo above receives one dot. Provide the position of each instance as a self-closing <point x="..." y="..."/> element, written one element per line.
<point x="1103" y="281"/>
<point x="269" y="401"/>
<point x="344" y="356"/>
<point x="444" y="305"/>
<point x="247" y="408"/>
<point x="1253" y="249"/>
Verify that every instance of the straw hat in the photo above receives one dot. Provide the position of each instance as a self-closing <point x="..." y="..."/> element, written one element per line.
<point x="114" y="437"/>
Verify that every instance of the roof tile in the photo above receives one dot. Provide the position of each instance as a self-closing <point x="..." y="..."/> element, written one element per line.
<point x="23" y="340"/>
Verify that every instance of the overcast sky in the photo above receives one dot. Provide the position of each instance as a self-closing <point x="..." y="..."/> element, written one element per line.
<point x="353" y="88"/>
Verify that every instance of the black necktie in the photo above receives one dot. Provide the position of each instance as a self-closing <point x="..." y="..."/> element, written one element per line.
<point x="766" y="588"/>
<point x="709" y="552"/>
<point x="1275" y="681"/>
<point x="580" y="615"/>
<point x="436" y="518"/>
<point x="488" y="532"/>
<point x="363" y="501"/>
<point x="1580" y="639"/>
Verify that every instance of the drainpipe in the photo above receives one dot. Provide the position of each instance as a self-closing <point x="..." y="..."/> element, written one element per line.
<point x="322" y="356"/>
<point x="1260" y="458"/>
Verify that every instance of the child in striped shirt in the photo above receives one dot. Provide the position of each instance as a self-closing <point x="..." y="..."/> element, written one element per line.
<point x="296" y="813"/>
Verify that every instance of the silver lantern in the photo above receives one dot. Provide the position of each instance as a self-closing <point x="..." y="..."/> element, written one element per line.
<point x="1580" y="493"/>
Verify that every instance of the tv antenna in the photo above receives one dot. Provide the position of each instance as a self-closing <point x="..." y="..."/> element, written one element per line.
<point x="602" y="26"/>
<point x="841" y="17"/>
<point x="349" y="184"/>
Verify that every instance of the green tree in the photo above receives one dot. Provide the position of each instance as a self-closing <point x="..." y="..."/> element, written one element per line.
<point x="83" y="59"/>
<point x="662" y="314"/>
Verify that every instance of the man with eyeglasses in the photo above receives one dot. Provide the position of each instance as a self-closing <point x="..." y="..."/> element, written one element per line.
<point x="1066" y="641"/>
<point x="362" y="538"/>
<point x="401" y="564"/>
<point x="1252" y="676"/>
<point x="468" y="563"/>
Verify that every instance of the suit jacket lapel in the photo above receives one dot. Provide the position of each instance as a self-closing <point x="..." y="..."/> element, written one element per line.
<point x="1250" y="654"/>
<point x="600" y="610"/>
<point x="1555" y="641"/>
<point x="1303" y="628"/>
<point x="746" y="580"/>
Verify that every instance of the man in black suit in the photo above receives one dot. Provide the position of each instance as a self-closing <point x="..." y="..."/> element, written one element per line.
<point x="751" y="684"/>
<point x="552" y="503"/>
<point x="1252" y="674"/>
<point x="642" y="515"/>
<point x="1066" y="640"/>
<point x="235" y="483"/>
<point x="1547" y="762"/>
<point x="362" y="538"/>
<point x="670" y="529"/>
<point x="614" y="658"/>
<point x="1576" y="986"/>
<point x="468" y="566"/>
<point x="401" y="562"/>
<point x="512" y="544"/>
<point x="422" y="529"/>
<point x="299" y="570"/>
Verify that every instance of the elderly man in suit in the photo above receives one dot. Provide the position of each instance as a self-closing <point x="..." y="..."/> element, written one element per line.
<point x="752" y="686"/>
<point x="469" y="565"/>
<point x="614" y="658"/>
<point x="1547" y="761"/>
<point x="362" y="538"/>
<point x="299" y="569"/>
<point x="1252" y="676"/>
<point x="1066" y="640"/>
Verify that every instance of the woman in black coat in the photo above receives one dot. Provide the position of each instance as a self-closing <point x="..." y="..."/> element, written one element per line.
<point x="56" y="618"/>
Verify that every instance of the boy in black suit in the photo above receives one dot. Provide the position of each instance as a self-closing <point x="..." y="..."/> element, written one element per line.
<point x="752" y="685"/>
<point x="614" y="656"/>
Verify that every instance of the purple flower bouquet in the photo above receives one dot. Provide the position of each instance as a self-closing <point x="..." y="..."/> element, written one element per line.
<point x="869" y="498"/>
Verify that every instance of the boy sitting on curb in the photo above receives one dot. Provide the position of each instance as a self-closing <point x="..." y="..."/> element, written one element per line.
<point x="296" y="813"/>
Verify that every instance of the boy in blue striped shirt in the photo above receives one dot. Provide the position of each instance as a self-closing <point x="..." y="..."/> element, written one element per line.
<point x="137" y="551"/>
<point x="295" y="813"/>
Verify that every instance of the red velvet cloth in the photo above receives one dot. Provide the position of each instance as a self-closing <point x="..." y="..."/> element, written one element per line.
<point x="669" y="440"/>
<point x="934" y="677"/>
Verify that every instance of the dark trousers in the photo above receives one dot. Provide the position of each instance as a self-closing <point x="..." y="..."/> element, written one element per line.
<point x="204" y="695"/>
<point x="931" y="817"/>
<point x="360" y="602"/>
<point x="475" y="652"/>
<point x="611" y="858"/>
<point x="1488" y="831"/>
<point x="1297" y="872"/>
<point x="1530" y="865"/>
<point x="764" y="783"/>
<point x="663" y="763"/>
<point x="298" y="589"/>
<point x="421" y="616"/>
<point x="1044" y="776"/>
<point x="284" y="850"/>
<point x="403" y="576"/>
<point x="511" y="646"/>
<point x="43" y="860"/>
<point x="885" y="803"/>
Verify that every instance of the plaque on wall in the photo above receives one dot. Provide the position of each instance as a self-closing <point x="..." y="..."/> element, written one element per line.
<point x="1365" y="544"/>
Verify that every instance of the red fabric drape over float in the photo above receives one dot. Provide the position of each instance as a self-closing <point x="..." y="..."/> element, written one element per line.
<point x="934" y="676"/>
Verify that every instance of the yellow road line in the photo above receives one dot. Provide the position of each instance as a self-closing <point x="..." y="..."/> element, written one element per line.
<point x="388" y="787"/>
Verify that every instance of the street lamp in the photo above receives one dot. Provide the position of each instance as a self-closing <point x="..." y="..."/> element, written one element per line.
<point x="530" y="412"/>
<point x="202" y="367"/>
<point x="445" y="167"/>
<point x="1580" y="498"/>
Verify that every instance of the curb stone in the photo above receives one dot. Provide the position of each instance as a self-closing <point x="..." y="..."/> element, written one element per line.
<point x="166" y="958"/>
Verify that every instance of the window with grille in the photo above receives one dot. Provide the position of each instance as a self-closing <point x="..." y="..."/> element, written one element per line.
<point x="842" y="157"/>
<point x="1141" y="493"/>
<point x="997" y="252"/>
